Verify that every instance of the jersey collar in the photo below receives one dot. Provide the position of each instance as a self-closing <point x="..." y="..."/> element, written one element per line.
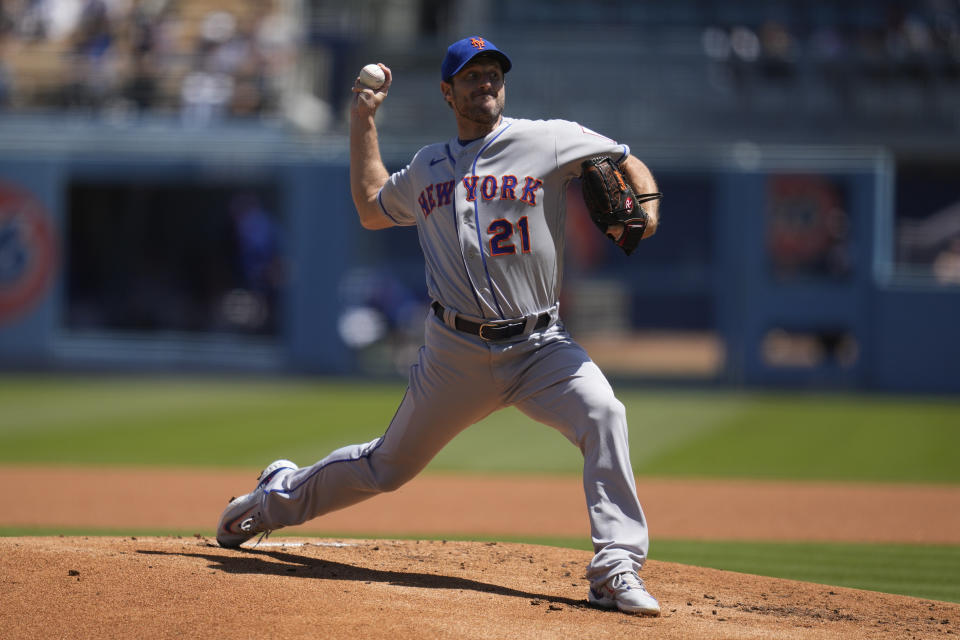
<point x="458" y="146"/>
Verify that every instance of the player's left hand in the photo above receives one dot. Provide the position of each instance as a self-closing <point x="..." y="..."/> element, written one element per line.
<point x="366" y="101"/>
<point x="613" y="204"/>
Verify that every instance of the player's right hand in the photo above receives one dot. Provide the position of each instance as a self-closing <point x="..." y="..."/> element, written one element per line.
<point x="366" y="101"/>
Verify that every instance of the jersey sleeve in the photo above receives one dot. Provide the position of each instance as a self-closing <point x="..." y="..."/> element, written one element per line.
<point x="396" y="198"/>
<point x="575" y="143"/>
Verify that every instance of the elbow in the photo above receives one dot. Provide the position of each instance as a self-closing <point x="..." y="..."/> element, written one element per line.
<point x="368" y="211"/>
<point x="371" y="225"/>
<point x="372" y="218"/>
<point x="650" y="229"/>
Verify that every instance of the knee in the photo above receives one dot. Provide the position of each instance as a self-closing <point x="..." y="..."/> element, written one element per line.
<point x="390" y="477"/>
<point x="609" y="414"/>
<point x="608" y="421"/>
<point x="390" y="482"/>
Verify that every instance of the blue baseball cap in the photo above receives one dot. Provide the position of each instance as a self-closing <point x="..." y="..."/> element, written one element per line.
<point x="463" y="51"/>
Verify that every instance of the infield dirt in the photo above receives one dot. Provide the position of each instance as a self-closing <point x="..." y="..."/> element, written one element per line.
<point x="189" y="587"/>
<point x="136" y="587"/>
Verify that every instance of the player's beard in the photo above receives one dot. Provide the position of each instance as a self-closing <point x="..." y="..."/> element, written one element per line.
<point x="482" y="112"/>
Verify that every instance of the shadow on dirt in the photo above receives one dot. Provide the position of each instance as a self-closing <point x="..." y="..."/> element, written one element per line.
<point x="280" y="563"/>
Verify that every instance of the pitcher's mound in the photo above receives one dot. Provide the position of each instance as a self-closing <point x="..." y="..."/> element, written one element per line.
<point x="292" y="588"/>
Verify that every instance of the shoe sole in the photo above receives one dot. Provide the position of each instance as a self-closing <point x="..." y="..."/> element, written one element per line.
<point x="609" y="604"/>
<point x="650" y="613"/>
<point x="226" y="538"/>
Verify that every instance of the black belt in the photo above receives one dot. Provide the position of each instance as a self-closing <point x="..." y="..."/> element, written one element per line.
<point x="495" y="329"/>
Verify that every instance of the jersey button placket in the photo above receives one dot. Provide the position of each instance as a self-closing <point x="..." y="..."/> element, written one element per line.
<point x="471" y="250"/>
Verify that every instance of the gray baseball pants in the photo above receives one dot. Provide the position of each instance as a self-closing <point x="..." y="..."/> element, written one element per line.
<point x="458" y="380"/>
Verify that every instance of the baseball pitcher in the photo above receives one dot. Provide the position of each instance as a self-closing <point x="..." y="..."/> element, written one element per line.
<point x="489" y="209"/>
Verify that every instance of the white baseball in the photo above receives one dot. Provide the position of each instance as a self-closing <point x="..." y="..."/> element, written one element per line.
<point x="372" y="76"/>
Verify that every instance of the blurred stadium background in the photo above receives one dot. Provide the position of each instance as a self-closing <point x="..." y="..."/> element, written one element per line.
<point x="174" y="195"/>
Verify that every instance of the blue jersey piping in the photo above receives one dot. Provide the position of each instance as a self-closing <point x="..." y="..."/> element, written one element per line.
<point x="476" y="216"/>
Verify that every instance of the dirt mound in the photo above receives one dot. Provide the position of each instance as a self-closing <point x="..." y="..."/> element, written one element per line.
<point x="189" y="587"/>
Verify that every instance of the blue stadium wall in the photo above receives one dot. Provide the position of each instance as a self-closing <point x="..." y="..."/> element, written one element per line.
<point x="313" y="194"/>
<point x="906" y="336"/>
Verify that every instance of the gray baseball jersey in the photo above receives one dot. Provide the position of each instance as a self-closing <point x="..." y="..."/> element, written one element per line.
<point x="490" y="215"/>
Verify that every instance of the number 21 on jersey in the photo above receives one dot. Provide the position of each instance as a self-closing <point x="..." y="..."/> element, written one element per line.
<point x="501" y="233"/>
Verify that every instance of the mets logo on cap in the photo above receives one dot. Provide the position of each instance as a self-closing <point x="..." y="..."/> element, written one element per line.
<point x="463" y="51"/>
<point x="27" y="251"/>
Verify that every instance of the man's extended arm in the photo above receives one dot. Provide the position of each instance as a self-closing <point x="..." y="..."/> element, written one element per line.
<point x="367" y="171"/>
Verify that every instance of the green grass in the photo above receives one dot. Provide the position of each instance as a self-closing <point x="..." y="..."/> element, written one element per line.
<point x="790" y="436"/>
<point x="818" y="437"/>
<point x="185" y="422"/>
<point x="208" y="422"/>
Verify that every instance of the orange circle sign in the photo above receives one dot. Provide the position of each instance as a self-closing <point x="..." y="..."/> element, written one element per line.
<point x="27" y="251"/>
